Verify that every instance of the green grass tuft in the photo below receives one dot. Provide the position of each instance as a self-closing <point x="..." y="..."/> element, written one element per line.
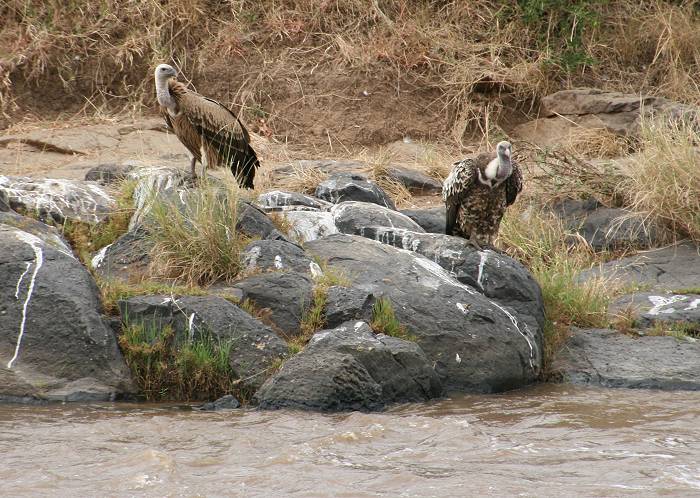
<point x="165" y="370"/>
<point x="384" y="320"/>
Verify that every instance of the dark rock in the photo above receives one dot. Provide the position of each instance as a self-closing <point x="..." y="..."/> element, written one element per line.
<point x="255" y="223"/>
<point x="354" y="217"/>
<point x="57" y="200"/>
<point x="328" y="382"/>
<point x="431" y="220"/>
<point x="495" y="275"/>
<point x="475" y="343"/>
<point x="352" y="187"/>
<point x="54" y="343"/>
<point x="255" y="347"/>
<point x="377" y="353"/>
<point x="611" y="359"/>
<point x="127" y="258"/>
<point x="46" y="233"/>
<point x="4" y="201"/>
<point x="670" y="268"/>
<point x="607" y="228"/>
<point x="279" y="199"/>
<point x="228" y="402"/>
<point x="398" y="367"/>
<point x="277" y="255"/>
<point x="648" y="308"/>
<point x="108" y="173"/>
<point x="414" y="180"/>
<point x="348" y="303"/>
<point x="285" y="294"/>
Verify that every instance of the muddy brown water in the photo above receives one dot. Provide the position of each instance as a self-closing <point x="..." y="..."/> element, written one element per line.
<point x="546" y="441"/>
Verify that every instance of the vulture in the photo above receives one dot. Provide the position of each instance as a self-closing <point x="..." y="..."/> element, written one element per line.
<point x="211" y="131"/>
<point x="477" y="192"/>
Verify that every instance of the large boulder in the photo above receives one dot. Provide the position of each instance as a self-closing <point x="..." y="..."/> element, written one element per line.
<point x="54" y="343"/>
<point x="255" y="347"/>
<point x="285" y="294"/>
<point x="355" y="217"/>
<point x="493" y="274"/>
<point x="607" y="228"/>
<point x="58" y="200"/>
<point x="346" y="304"/>
<point x="151" y="182"/>
<point x="352" y="187"/>
<point x="475" y="343"/>
<point x="400" y="369"/>
<point x="671" y="269"/>
<point x="610" y="359"/>
<point x="328" y="382"/>
<point x="431" y="220"/>
<point x="277" y="255"/>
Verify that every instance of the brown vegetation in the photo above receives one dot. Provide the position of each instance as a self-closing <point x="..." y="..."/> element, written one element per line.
<point x="345" y="72"/>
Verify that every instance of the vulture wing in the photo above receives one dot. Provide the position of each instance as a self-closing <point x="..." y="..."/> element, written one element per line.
<point x="514" y="184"/>
<point x="455" y="187"/>
<point x="223" y="132"/>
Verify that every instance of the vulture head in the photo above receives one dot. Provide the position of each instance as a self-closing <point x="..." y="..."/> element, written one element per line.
<point x="164" y="72"/>
<point x="505" y="167"/>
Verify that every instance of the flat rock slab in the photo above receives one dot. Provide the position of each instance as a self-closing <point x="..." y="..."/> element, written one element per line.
<point x="285" y="294"/>
<point x="668" y="269"/>
<point x="611" y="359"/>
<point x="352" y="187"/>
<point x="54" y="342"/>
<point x="475" y="343"/>
<point x="58" y="200"/>
<point x="648" y="308"/>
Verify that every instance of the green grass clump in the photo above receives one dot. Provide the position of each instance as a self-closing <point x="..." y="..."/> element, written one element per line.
<point x="197" y="242"/>
<point x="384" y="320"/>
<point x="555" y="258"/>
<point x="165" y="370"/>
<point x="679" y="330"/>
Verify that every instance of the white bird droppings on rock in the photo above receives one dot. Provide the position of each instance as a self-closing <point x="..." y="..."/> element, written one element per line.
<point x="35" y="244"/>
<point x="278" y="262"/>
<point x="660" y="301"/>
<point x="457" y="358"/>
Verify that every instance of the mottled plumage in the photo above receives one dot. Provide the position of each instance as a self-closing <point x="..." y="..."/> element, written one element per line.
<point x="211" y="132"/>
<point x="477" y="192"/>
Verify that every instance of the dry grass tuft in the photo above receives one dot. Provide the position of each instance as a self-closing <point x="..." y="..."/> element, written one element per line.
<point x="664" y="177"/>
<point x="596" y="143"/>
<point x="197" y="242"/>
<point x="302" y="179"/>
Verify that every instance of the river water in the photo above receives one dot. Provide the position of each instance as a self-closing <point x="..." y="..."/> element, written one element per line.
<point x="550" y="440"/>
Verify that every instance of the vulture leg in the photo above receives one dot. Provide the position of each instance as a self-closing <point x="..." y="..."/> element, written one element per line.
<point x="192" y="170"/>
<point x="474" y="241"/>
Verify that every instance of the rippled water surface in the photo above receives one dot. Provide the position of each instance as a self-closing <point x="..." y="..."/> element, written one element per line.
<point x="545" y="441"/>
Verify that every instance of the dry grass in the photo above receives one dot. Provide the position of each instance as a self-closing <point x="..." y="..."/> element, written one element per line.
<point x="472" y="54"/>
<point x="302" y="179"/>
<point x="198" y="242"/>
<point x="596" y="143"/>
<point x="664" y="177"/>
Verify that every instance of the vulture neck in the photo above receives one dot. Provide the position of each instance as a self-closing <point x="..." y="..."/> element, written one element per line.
<point x="164" y="97"/>
<point x="495" y="172"/>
